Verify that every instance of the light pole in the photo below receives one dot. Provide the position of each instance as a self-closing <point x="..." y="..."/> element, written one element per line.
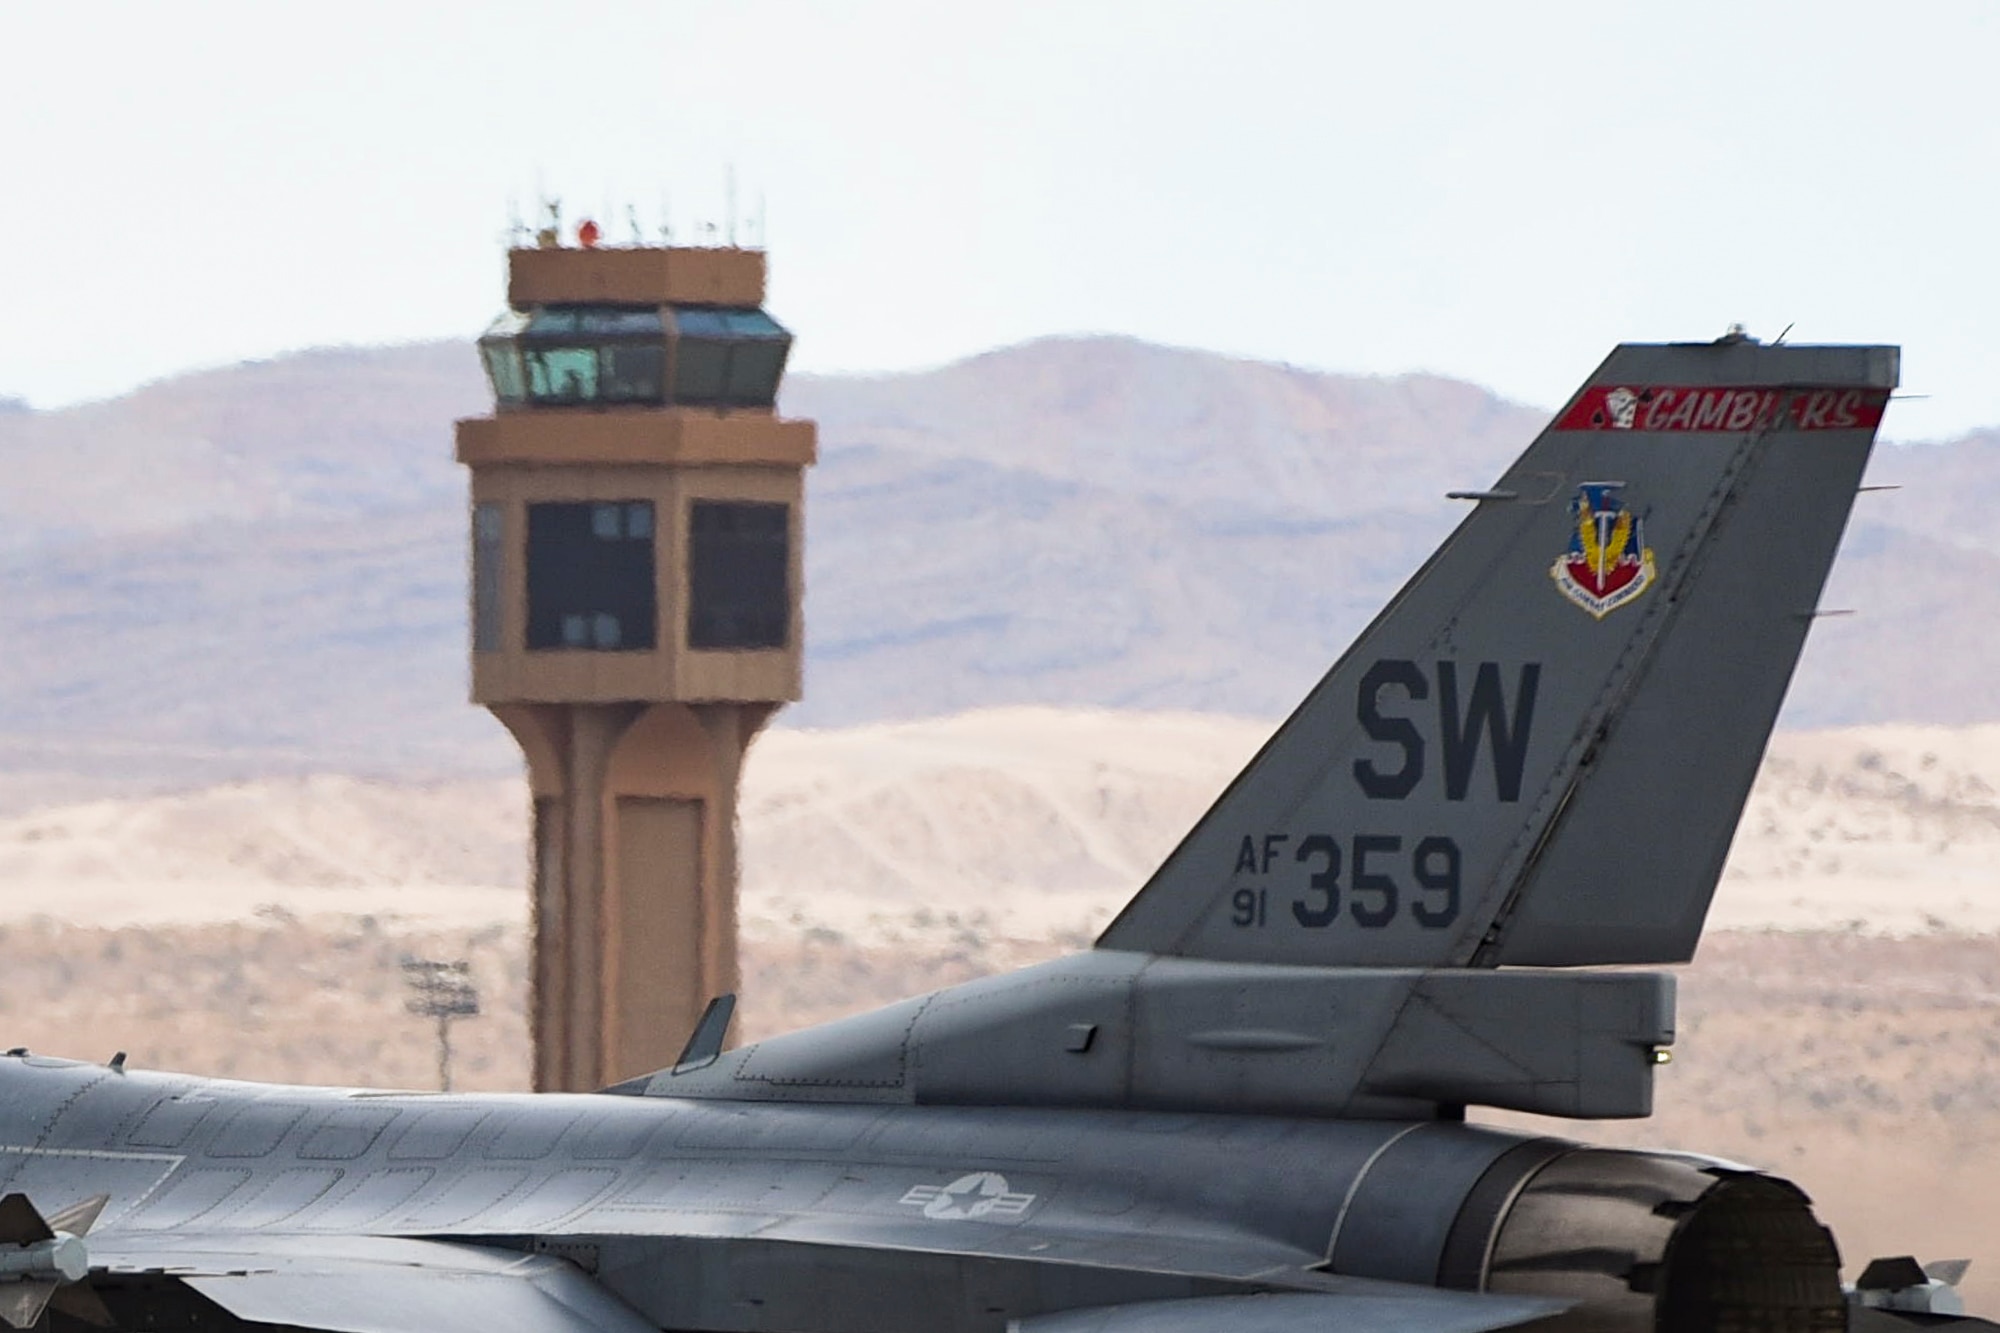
<point x="444" y="991"/>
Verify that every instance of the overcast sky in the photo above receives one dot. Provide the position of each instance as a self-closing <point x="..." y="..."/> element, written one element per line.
<point x="1492" y="191"/>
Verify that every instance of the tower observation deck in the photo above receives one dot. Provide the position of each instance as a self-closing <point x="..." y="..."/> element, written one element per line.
<point x="636" y="585"/>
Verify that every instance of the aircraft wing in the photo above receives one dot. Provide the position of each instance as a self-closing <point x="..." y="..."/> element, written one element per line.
<point x="363" y="1284"/>
<point x="1419" y="1310"/>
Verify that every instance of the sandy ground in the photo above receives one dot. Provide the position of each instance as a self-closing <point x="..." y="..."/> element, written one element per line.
<point x="1023" y="823"/>
<point x="1841" y="1026"/>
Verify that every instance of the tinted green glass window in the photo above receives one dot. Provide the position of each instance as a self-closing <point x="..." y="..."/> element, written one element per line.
<point x="563" y="323"/>
<point x="552" y="322"/>
<point x="502" y="358"/>
<point x="632" y="372"/>
<point x="561" y="374"/>
<point x="617" y="323"/>
<point x="752" y="324"/>
<point x="503" y="371"/>
<point x="754" y="368"/>
<point x="700" y="322"/>
<point x="729" y="357"/>
<point x="701" y="370"/>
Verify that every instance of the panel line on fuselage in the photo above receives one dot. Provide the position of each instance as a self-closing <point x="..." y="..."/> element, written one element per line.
<point x="1354" y="1186"/>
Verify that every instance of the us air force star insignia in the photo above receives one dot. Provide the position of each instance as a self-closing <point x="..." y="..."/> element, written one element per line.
<point x="980" y="1194"/>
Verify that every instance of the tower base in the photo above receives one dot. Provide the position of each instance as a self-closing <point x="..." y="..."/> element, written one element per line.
<point x="635" y="872"/>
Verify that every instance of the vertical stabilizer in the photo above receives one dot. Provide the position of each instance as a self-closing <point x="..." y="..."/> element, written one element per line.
<point x="1538" y="752"/>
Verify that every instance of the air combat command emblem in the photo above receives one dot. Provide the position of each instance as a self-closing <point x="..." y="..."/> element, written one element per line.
<point x="1608" y="562"/>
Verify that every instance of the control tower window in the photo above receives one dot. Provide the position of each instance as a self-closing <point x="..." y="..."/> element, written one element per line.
<point x="756" y="358"/>
<point x="701" y="359"/>
<point x="590" y="576"/>
<point x="565" y="323"/>
<point x="739" y="575"/>
<point x="502" y="357"/>
<point x="488" y="542"/>
<point x="728" y="358"/>
<point x="633" y="373"/>
<point x="589" y="355"/>
<point x="592" y="354"/>
<point x="559" y="375"/>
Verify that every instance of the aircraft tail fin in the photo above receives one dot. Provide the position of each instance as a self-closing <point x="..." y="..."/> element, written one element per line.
<point x="1538" y="752"/>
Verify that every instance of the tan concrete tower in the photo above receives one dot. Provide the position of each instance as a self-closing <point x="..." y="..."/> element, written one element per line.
<point x="636" y="587"/>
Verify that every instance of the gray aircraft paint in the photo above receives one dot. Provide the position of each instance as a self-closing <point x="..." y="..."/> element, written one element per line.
<point x="1119" y="1030"/>
<point x="651" y="1187"/>
<point x="1241" y="1110"/>
<point x="1647" y="722"/>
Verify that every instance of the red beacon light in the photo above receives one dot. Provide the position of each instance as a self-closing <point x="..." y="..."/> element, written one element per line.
<point x="587" y="234"/>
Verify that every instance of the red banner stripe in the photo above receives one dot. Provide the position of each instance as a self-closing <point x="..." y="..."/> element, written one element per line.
<point x="1718" y="409"/>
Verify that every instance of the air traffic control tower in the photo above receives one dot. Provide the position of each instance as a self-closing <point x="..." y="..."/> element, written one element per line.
<point x="636" y="587"/>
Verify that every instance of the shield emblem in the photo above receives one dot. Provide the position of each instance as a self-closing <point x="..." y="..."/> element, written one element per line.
<point x="1608" y="562"/>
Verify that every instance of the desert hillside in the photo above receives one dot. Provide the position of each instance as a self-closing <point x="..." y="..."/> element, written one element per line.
<point x="1086" y="522"/>
<point x="1018" y="823"/>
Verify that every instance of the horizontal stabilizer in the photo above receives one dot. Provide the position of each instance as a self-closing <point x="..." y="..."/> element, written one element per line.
<point x="370" y="1284"/>
<point x="556" y="1299"/>
<point x="1423" y="1310"/>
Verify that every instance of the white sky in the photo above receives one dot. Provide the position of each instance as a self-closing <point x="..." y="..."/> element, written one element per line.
<point x="1493" y="191"/>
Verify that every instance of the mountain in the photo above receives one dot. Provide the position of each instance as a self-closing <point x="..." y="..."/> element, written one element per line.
<point x="260" y="569"/>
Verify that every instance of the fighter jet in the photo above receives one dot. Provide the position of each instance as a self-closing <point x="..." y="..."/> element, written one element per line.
<point x="1245" y="1110"/>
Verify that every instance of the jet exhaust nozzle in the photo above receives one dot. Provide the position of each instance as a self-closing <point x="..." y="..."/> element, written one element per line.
<point x="1664" y="1243"/>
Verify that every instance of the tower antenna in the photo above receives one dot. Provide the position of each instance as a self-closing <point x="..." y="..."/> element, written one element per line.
<point x="729" y="200"/>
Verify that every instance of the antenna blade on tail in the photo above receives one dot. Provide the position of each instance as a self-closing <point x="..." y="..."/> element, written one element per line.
<point x="1539" y="751"/>
<point x="704" y="1044"/>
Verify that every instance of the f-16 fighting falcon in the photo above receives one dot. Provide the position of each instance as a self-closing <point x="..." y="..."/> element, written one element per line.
<point x="1244" y="1110"/>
